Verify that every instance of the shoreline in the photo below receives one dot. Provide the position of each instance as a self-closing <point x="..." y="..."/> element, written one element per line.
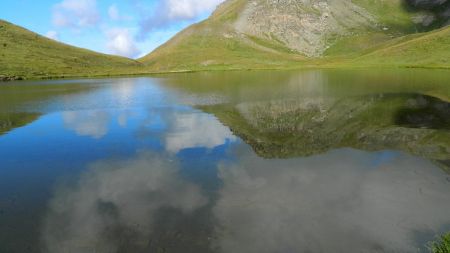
<point x="11" y="78"/>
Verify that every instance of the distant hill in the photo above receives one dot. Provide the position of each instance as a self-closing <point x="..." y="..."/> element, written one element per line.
<point x="287" y="33"/>
<point x="25" y="54"/>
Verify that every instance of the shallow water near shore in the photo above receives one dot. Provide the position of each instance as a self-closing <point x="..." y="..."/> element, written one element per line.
<point x="252" y="161"/>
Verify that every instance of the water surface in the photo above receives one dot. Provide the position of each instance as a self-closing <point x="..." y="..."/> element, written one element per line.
<point x="299" y="161"/>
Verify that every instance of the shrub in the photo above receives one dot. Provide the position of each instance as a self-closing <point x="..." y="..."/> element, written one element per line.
<point x="441" y="245"/>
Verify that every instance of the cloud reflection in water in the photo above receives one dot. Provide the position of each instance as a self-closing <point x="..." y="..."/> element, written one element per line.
<point x="87" y="123"/>
<point x="337" y="202"/>
<point x="113" y="205"/>
<point x="342" y="201"/>
<point x="191" y="130"/>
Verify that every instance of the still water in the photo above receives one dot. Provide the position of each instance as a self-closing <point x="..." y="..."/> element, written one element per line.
<point x="304" y="161"/>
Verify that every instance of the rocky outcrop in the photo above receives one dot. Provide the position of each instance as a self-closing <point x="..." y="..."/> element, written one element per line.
<point x="306" y="26"/>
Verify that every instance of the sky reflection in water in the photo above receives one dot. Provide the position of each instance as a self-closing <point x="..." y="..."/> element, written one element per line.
<point x="138" y="165"/>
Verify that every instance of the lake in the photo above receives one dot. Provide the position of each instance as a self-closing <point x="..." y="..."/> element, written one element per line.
<point x="251" y="161"/>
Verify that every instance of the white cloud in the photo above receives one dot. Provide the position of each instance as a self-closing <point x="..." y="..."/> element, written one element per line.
<point x="189" y="9"/>
<point x="170" y="11"/>
<point x="76" y="13"/>
<point x="121" y="42"/>
<point x="52" y="35"/>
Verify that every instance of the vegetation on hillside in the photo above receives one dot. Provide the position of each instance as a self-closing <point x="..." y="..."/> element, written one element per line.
<point x="214" y="44"/>
<point x="24" y="54"/>
<point x="393" y="40"/>
<point x="431" y="50"/>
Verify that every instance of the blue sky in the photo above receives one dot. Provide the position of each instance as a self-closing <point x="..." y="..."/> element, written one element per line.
<point x="129" y="28"/>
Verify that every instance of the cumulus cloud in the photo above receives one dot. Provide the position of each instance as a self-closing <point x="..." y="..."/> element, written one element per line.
<point x="54" y="35"/>
<point x="121" y="42"/>
<point x="344" y="201"/>
<point x="170" y="11"/>
<point x="115" y="205"/>
<point x="76" y="13"/>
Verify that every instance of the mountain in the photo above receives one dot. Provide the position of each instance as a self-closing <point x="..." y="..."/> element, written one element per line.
<point x="255" y="34"/>
<point x="25" y="54"/>
<point x="295" y="33"/>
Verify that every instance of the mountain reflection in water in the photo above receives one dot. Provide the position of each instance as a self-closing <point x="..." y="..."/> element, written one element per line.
<point x="279" y="161"/>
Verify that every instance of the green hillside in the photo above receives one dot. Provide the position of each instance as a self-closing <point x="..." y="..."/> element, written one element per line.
<point x="197" y="49"/>
<point x="238" y="35"/>
<point x="210" y="45"/>
<point x="430" y="49"/>
<point x="24" y="54"/>
<point x="390" y="39"/>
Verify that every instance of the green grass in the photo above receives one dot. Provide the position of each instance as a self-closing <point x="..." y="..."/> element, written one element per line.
<point x="391" y="14"/>
<point x="214" y="45"/>
<point x="204" y="47"/>
<point x="442" y="245"/>
<point x="197" y="49"/>
<point x="431" y="49"/>
<point x="29" y="55"/>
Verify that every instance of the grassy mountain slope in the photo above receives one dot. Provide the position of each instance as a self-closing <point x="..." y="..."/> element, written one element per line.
<point x="237" y="36"/>
<point x="250" y="34"/>
<point x="431" y="49"/>
<point x="27" y="54"/>
<point x="212" y="44"/>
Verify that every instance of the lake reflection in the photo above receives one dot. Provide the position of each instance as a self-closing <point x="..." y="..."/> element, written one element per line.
<point x="313" y="161"/>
